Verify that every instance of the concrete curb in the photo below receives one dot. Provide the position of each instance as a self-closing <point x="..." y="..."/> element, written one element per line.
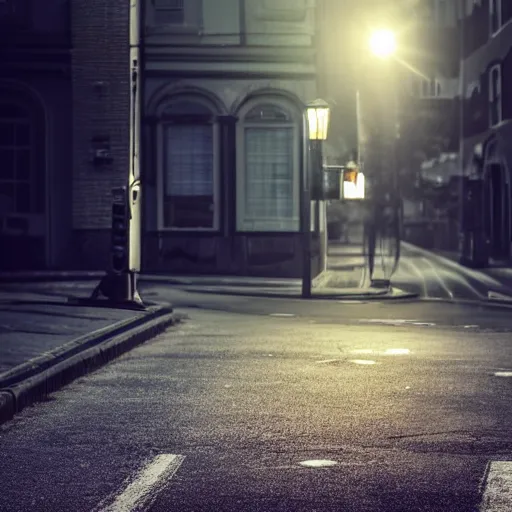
<point x="325" y="294"/>
<point x="34" y="381"/>
<point x="321" y="279"/>
<point x="44" y="276"/>
<point x="490" y="304"/>
<point x="185" y="280"/>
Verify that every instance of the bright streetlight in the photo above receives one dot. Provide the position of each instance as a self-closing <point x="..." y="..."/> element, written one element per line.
<point x="318" y="119"/>
<point x="383" y="43"/>
<point x="316" y="125"/>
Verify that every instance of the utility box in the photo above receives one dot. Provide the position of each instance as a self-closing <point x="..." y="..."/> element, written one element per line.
<point x="126" y="241"/>
<point x="135" y="200"/>
<point x="343" y="183"/>
<point x="332" y="183"/>
<point x="120" y="230"/>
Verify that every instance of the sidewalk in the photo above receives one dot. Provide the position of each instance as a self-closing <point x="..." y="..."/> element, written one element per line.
<point x="344" y="278"/>
<point x="33" y="324"/>
<point x="46" y="342"/>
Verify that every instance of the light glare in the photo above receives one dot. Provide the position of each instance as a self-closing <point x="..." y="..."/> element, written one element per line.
<point x="383" y="43"/>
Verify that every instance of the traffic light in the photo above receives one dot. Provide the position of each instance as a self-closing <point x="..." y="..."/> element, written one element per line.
<point x="120" y="230"/>
<point x="350" y="176"/>
<point x="332" y="182"/>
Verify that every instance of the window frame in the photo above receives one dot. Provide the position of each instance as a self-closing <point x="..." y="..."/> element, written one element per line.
<point x="29" y="121"/>
<point x="492" y="99"/>
<point x="161" y="145"/>
<point x="191" y="24"/>
<point x="181" y="10"/>
<point x="241" y="177"/>
<point x="495" y="8"/>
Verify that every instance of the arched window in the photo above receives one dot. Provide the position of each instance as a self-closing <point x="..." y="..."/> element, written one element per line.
<point x="267" y="169"/>
<point x="17" y="179"/>
<point x="188" y="177"/>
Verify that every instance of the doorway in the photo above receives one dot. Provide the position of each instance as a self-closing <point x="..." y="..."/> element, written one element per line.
<point x="497" y="211"/>
<point x="23" y="228"/>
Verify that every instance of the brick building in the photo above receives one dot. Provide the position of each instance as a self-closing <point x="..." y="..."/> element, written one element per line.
<point x="35" y="134"/>
<point x="64" y="94"/>
<point x="225" y="85"/>
<point x="101" y="123"/>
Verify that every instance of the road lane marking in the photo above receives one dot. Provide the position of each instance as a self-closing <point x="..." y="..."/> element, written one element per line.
<point x="320" y="463"/>
<point x="162" y="468"/>
<point x="283" y="315"/>
<point x="503" y="374"/>
<point x="418" y="273"/>
<point x="498" y="488"/>
<point x="363" y="361"/>
<point x="439" y="278"/>
<point x="465" y="281"/>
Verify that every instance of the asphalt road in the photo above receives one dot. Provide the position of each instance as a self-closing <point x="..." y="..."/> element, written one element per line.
<point x="437" y="279"/>
<point x="400" y="406"/>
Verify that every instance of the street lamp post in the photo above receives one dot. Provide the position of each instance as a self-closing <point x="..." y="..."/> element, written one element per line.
<point x="315" y="128"/>
<point x="383" y="158"/>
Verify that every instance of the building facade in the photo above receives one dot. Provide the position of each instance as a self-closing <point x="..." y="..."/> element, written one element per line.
<point x="486" y="145"/>
<point x="101" y="124"/>
<point x="225" y="86"/>
<point x="35" y="134"/>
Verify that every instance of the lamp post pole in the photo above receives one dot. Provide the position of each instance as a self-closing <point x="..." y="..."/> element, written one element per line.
<point x="306" y="211"/>
<point x="315" y="124"/>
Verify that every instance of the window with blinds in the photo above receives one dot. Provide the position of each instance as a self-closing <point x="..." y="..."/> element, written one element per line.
<point x="169" y="11"/>
<point x="269" y="179"/>
<point x="189" y="176"/>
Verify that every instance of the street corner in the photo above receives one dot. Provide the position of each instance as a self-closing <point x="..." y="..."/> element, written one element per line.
<point x="35" y="380"/>
<point x="365" y="294"/>
<point x="399" y="294"/>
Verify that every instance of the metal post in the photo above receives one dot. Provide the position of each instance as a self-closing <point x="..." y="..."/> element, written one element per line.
<point x="306" y="213"/>
<point x="462" y="91"/>
<point x="136" y="31"/>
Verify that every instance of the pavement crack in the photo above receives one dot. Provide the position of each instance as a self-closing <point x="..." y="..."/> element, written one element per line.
<point x="427" y="434"/>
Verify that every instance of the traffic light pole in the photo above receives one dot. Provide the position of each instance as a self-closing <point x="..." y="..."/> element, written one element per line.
<point x="119" y="285"/>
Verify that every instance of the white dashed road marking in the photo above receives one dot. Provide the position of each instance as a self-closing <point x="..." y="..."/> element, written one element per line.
<point x="498" y="488"/>
<point x="140" y="491"/>
<point x="320" y="463"/>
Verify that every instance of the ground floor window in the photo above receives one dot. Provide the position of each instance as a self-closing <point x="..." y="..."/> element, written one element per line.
<point x="267" y="174"/>
<point x="189" y="181"/>
<point x="17" y="191"/>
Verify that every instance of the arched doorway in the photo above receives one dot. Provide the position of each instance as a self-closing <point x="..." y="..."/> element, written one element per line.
<point x="23" y="226"/>
<point x="496" y="204"/>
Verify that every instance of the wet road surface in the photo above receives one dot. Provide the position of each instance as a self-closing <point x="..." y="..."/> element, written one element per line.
<point x="233" y="410"/>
